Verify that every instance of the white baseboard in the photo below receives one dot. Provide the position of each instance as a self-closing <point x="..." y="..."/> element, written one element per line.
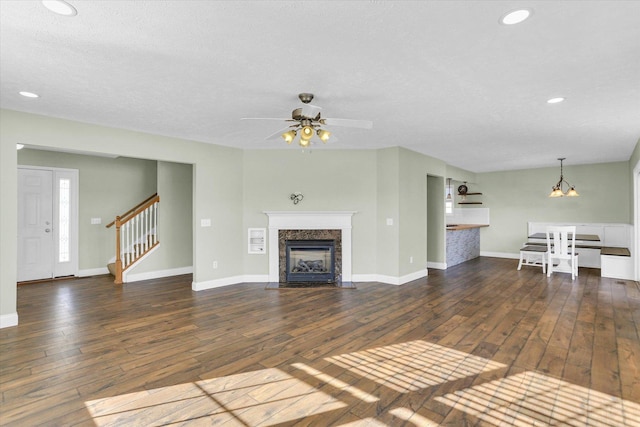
<point x="133" y="277"/>
<point x="437" y="265"/>
<point x="264" y="278"/>
<point x="217" y="283"/>
<point x="500" y="255"/>
<point x="356" y="278"/>
<point x="93" y="272"/>
<point x="392" y="280"/>
<point x="8" y="320"/>
<point x="256" y="278"/>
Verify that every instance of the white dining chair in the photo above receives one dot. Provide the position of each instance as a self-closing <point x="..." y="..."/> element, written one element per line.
<point x="561" y="249"/>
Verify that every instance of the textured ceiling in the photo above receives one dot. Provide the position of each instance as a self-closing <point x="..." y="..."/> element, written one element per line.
<point x="442" y="78"/>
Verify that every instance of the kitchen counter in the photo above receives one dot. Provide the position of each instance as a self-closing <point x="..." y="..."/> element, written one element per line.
<point x="463" y="243"/>
<point x="454" y="227"/>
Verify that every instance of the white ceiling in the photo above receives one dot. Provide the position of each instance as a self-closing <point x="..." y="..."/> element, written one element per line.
<point x="443" y="78"/>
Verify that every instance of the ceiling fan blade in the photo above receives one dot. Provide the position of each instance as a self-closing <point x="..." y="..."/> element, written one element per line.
<point x="361" y="124"/>
<point x="267" y="118"/>
<point x="310" y="111"/>
<point x="278" y="134"/>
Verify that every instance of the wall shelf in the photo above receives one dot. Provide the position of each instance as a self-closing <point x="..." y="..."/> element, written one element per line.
<point x="257" y="240"/>
<point x="465" y="202"/>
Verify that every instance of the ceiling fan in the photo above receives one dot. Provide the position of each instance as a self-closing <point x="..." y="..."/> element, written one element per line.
<point x="307" y="121"/>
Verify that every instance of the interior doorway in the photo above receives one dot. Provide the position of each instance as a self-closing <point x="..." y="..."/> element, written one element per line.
<point x="47" y="223"/>
<point x="636" y="226"/>
<point x="436" y="227"/>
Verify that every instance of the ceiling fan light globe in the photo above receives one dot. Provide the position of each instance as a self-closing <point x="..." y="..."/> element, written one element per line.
<point x="324" y="135"/>
<point x="304" y="142"/>
<point x="288" y="136"/>
<point x="306" y="133"/>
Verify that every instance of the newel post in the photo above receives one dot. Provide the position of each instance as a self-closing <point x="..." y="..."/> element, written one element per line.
<point x="118" y="278"/>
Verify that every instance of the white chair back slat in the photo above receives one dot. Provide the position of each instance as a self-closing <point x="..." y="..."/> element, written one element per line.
<point x="561" y="247"/>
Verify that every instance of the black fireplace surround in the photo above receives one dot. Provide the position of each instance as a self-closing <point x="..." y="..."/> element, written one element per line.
<point x="310" y="261"/>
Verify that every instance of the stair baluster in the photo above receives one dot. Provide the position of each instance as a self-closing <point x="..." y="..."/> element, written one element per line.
<point x="136" y="235"/>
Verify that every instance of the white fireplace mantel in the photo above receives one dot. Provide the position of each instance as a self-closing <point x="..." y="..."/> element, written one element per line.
<point x="309" y="220"/>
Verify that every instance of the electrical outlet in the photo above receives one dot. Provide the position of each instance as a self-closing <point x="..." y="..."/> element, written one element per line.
<point x="410" y="260"/>
<point x="215" y="264"/>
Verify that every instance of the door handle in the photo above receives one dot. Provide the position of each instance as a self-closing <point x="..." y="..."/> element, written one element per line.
<point x="46" y="230"/>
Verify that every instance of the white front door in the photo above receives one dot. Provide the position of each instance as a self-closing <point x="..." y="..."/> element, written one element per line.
<point x="47" y="223"/>
<point x="35" y="219"/>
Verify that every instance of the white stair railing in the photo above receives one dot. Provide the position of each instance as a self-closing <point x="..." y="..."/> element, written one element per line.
<point x="136" y="234"/>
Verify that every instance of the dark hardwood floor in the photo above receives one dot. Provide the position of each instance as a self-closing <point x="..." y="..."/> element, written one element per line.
<point x="480" y="344"/>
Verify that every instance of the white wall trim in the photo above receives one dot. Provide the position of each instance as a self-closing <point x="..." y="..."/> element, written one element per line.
<point x="8" y="320"/>
<point x="356" y="278"/>
<point x="394" y="280"/>
<point x="261" y="278"/>
<point x="437" y="265"/>
<point x="158" y="274"/>
<point x="256" y="278"/>
<point x="128" y="272"/>
<point x="635" y="246"/>
<point x="500" y="255"/>
<point x="217" y="283"/>
<point x="93" y="272"/>
<point x="309" y="220"/>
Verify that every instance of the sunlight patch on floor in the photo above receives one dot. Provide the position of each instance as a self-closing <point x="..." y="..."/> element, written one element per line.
<point x="534" y="399"/>
<point x="264" y="397"/>
<point x="413" y="365"/>
<point x="271" y="396"/>
<point x="407" y="414"/>
<point x="334" y="382"/>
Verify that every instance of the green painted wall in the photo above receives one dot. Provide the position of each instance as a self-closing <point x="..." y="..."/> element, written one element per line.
<point x="336" y="180"/>
<point x="634" y="162"/>
<point x="217" y="187"/>
<point x="8" y="223"/>
<point x="107" y="187"/>
<point x="516" y="197"/>
<point x="435" y="219"/>
<point x="233" y="188"/>
<point x="412" y="212"/>
<point x="175" y="225"/>
<point x="388" y="207"/>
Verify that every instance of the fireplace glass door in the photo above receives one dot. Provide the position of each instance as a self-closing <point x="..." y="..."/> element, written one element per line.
<point x="310" y="261"/>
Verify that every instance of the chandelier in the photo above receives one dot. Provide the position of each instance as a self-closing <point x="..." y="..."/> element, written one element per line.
<point x="557" y="190"/>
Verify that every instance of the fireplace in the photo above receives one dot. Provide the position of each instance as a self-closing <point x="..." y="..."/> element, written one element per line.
<point x="310" y="261"/>
<point x="325" y="225"/>
<point x="308" y="243"/>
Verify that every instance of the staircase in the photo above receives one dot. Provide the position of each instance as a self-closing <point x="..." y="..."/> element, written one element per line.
<point x="136" y="236"/>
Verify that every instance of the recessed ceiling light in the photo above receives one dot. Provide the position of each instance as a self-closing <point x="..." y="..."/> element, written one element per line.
<point x="19" y="146"/>
<point x="60" y="7"/>
<point x="555" y="100"/>
<point x="29" y="94"/>
<point x="515" y="16"/>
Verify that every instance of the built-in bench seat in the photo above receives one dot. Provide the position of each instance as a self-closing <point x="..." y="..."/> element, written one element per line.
<point x="583" y="246"/>
<point x="612" y="251"/>
<point x="601" y="245"/>
<point x="616" y="263"/>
